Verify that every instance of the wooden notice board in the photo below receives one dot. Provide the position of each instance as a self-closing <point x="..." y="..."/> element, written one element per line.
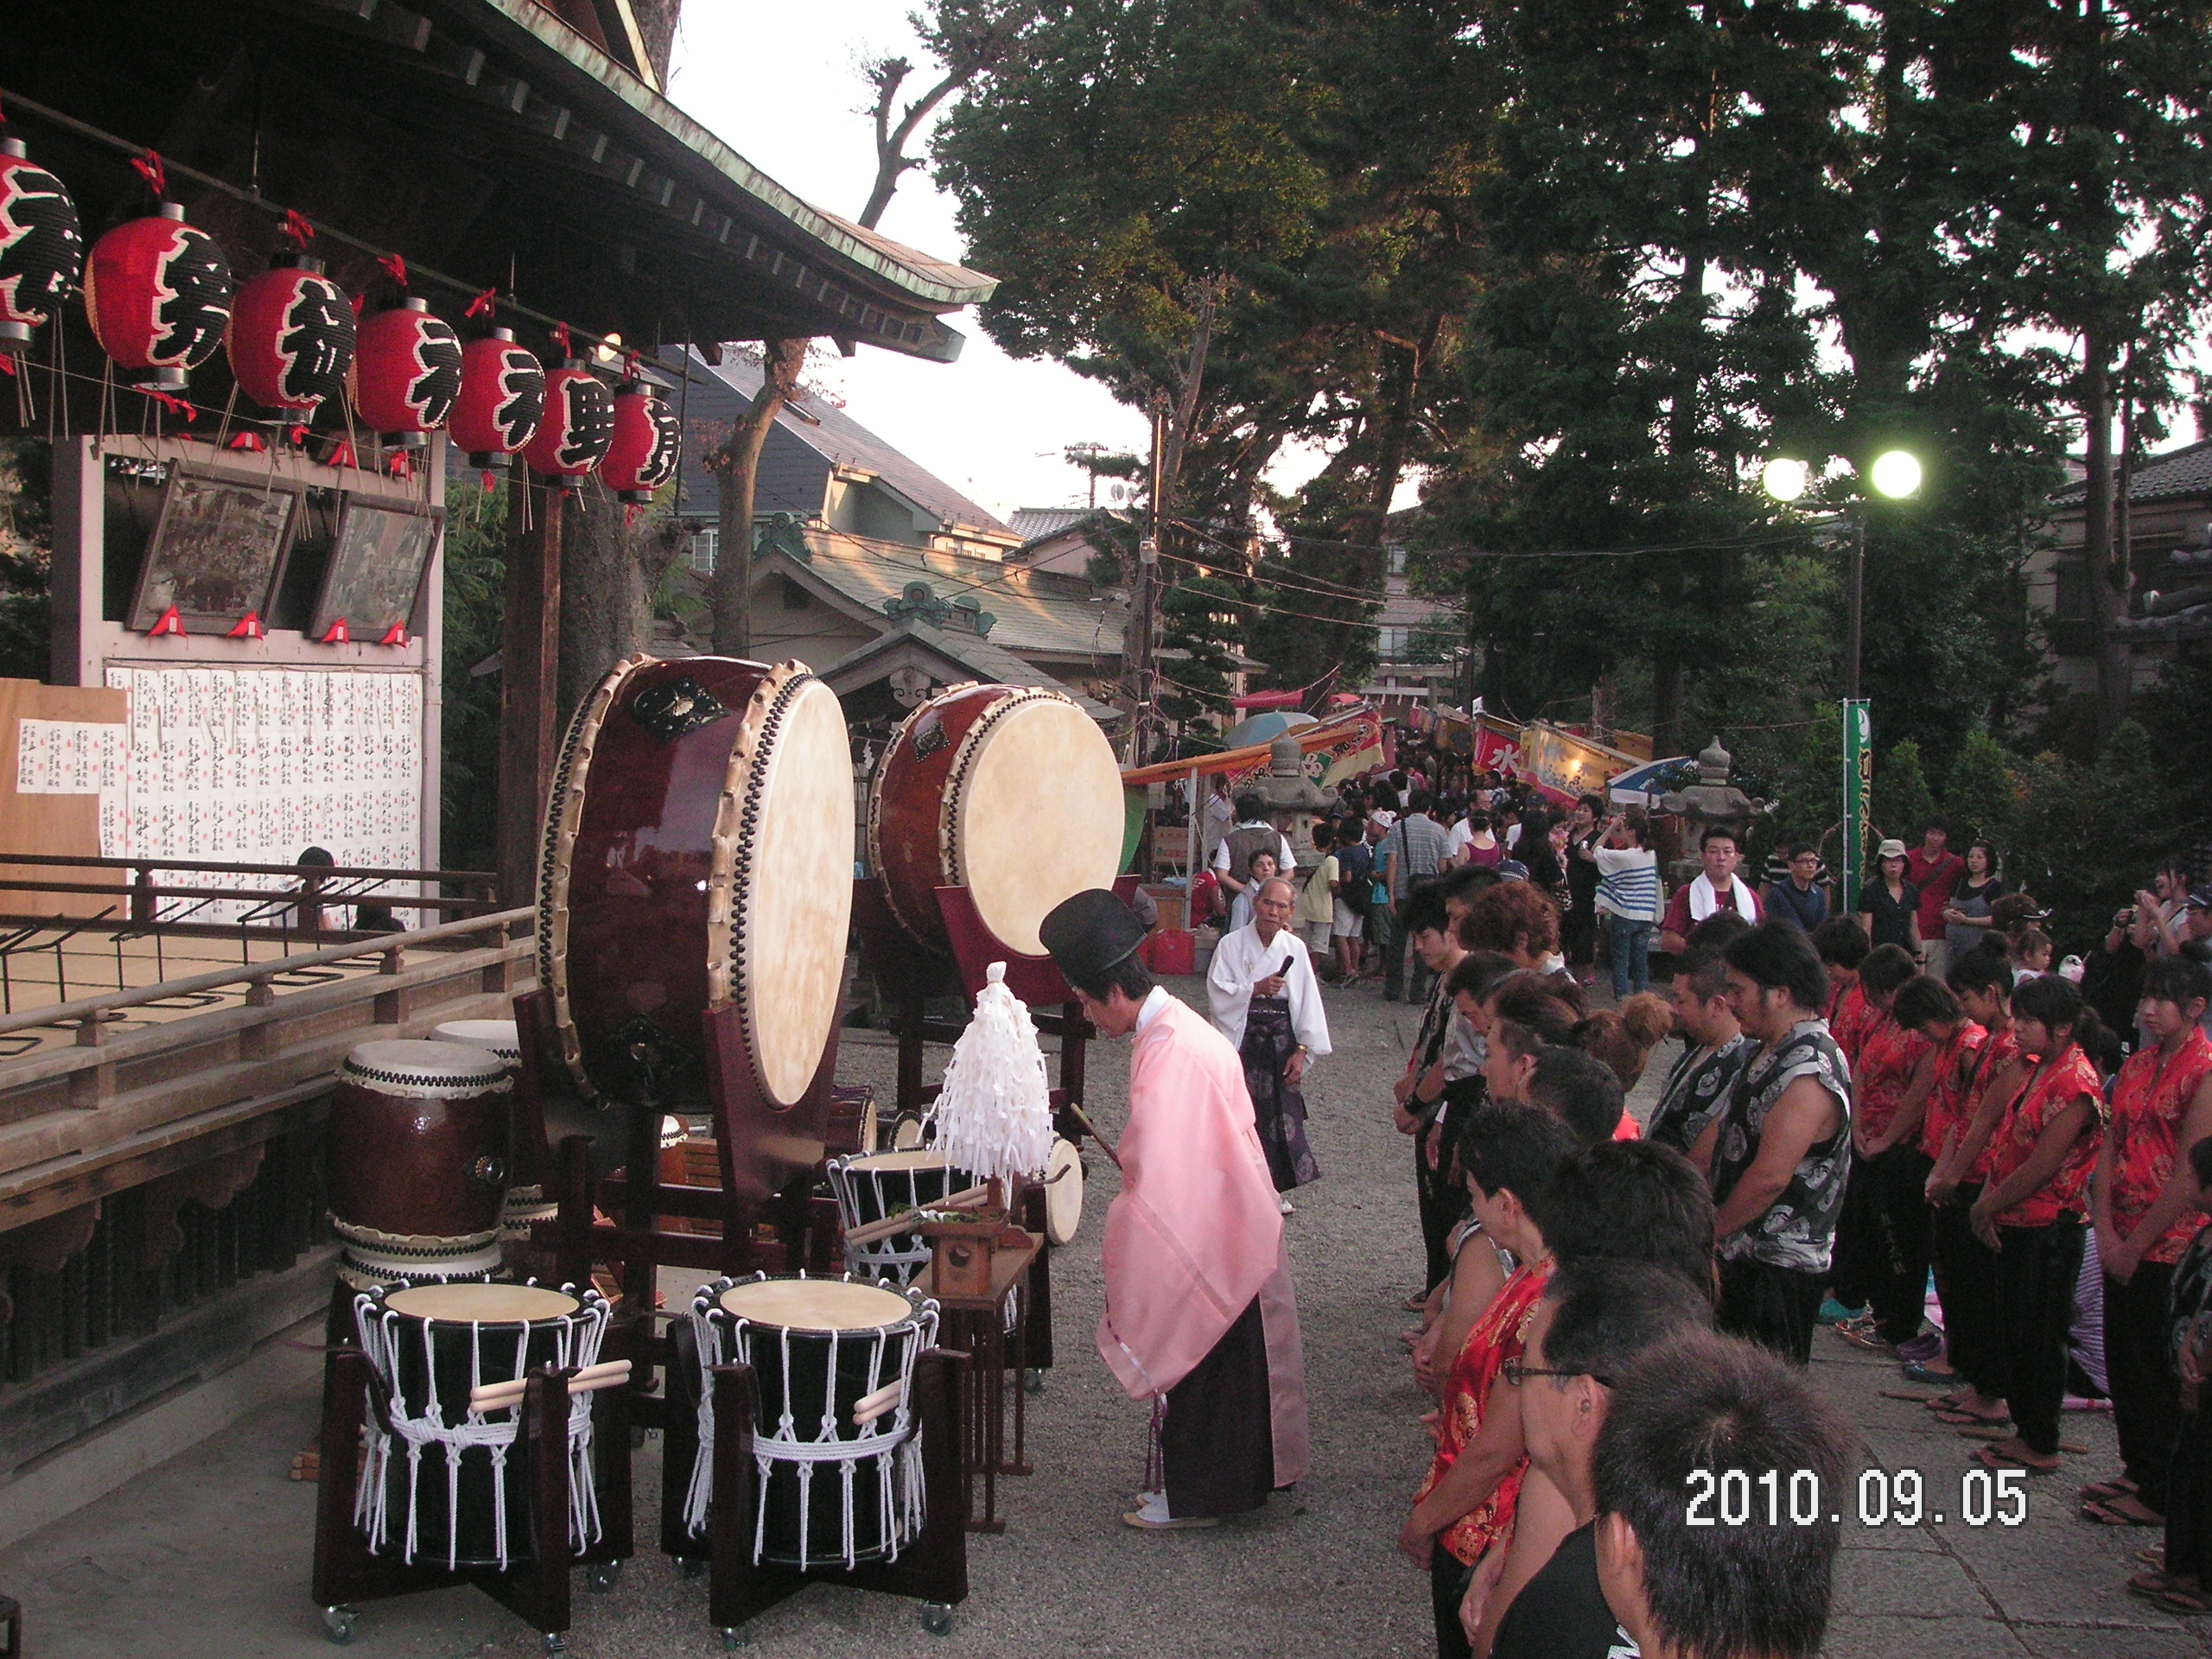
<point x="60" y="810"/>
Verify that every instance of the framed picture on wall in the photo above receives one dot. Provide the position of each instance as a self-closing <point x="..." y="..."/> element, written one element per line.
<point x="378" y="563"/>
<point x="216" y="550"/>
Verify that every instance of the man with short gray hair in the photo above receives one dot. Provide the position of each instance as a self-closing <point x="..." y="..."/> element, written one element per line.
<point x="1264" y="998"/>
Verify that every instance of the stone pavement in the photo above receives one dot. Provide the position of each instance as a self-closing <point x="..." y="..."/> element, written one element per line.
<point x="207" y="1556"/>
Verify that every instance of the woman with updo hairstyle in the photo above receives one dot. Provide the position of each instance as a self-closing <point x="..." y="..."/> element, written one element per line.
<point x="1515" y="919"/>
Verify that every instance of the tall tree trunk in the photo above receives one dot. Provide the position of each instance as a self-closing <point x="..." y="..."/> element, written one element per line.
<point x="613" y="617"/>
<point x="735" y="467"/>
<point x="2106" y="579"/>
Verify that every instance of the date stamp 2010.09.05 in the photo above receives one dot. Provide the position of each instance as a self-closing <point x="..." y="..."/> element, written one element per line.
<point x="1882" y="1497"/>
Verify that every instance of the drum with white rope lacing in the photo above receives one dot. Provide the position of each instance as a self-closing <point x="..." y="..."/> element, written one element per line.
<point x="836" y="1443"/>
<point x="446" y="1485"/>
<point x="877" y="1185"/>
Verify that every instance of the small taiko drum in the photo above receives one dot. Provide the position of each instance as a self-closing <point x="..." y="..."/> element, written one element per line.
<point x="443" y="1484"/>
<point x="876" y="1185"/>
<point x="824" y="1352"/>
<point x="416" y="1148"/>
<point x="698" y="850"/>
<point x="525" y="1202"/>
<point x="1010" y="791"/>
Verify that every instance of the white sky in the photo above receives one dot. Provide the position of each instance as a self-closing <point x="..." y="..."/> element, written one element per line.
<point x="780" y="85"/>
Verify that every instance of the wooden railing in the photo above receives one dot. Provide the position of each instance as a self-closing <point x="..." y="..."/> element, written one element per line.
<point x="113" y="1108"/>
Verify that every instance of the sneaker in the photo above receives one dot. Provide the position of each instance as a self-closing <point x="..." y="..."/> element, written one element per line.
<point x="1925" y="1347"/>
<point x="1834" y="1312"/>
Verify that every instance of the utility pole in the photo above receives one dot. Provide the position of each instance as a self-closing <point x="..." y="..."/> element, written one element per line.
<point x="1148" y="597"/>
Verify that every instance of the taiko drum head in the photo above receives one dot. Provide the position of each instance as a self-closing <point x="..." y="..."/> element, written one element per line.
<point x="816" y="1304"/>
<point x="1037" y="817"/>
<point x="481" y="1303"/>
<point x="497" y="1035"/>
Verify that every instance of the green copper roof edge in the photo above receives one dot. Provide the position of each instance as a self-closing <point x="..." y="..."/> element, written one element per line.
<point x="550" y="31"/>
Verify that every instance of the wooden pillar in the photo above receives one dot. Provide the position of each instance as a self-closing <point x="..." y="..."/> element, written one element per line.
<point x="529" y="680"/>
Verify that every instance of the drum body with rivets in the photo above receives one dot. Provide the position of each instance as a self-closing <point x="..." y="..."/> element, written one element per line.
<point x="1010" y="791"/>
<point x="416" y="1150"/>
<point x="698" y="850"/>
<point x="831" y="1490"/>
<point x="444" y="1487"/>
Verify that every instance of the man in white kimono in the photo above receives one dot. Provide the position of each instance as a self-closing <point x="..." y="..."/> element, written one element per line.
<point x="1266" y="1000"/>
<point x="1201" y="1319"/>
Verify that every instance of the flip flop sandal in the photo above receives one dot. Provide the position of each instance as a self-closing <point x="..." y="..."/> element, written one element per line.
<point x="2185" y="1601"/>
<point x="2104" y="1515"/>
<point x="1931" y="1400"/>
<point x="2151" y="1555"/>
<point x="2152" y="1584"/>
<point x="1990" y="1458"/>
<point x="1918" y="1371"/>
<point x="2103" y="1490"/>
<point x="1960" y="1415"/>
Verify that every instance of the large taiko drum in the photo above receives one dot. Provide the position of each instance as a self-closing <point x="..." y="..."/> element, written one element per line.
<point x="698" y="850"/>
<point x="832" y="1489"/>
<point x="416" y="1151"/>
<point x="1010" y="791"/>
<point x="444" y="1484"/>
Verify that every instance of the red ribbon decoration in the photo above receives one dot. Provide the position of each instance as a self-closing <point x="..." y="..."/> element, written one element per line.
<point x="337" y="636"/>
<point x="167" y="622"/>
<point x="249" y="627"/>
<point x="489" y="482"/>
<point x="483" y="305"/>
<point x="246" y="441"/>
<point x="343" y="456"/>
<point x="395" y="635"/>
<point x="561" y="335"/>
<point x="7" y="364"/>
<point x="400" y="467"/>
<point x="358" y="298"/>
<point x="394" y="267"/>
<point x="150" y="170"/>
<point x="175" y="405"/>
<point x="297" y="228"/>
<point x="296" y="436"/>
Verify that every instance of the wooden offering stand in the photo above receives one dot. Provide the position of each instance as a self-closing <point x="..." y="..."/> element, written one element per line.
<point x="767" y="1160"/>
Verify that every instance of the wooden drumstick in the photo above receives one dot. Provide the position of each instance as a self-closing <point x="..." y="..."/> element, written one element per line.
<point x="869" y="1406"/>
<point x="497" y="1397"/>
<point x="1091" y="1129"/>
<point x="904" y="1222"/>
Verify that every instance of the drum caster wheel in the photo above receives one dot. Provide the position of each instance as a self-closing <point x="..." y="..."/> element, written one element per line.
<point x="735" y="1638"/>
<point x="1033" y="1380"/>
<point x="338" y="1624"/>
<point x="555" y="1646"/>
<point x="602" y="1576"/>
<point x="936" y="1619"/>
<point x="690" y="1566"/>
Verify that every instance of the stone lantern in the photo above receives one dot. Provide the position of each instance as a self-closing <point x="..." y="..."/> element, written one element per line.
<point x="1713" y="799"/>
<point x="1294" y="799"/>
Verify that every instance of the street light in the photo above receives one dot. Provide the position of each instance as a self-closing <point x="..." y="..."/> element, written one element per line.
<point x="1895" y="473"/>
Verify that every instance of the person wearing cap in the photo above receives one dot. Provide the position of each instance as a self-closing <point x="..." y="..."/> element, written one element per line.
<point x="1201" y="1318"/>
<point x="1888" y="906"/>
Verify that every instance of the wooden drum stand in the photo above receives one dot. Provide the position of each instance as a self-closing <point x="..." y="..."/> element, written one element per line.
<point x="767" y="1158"/>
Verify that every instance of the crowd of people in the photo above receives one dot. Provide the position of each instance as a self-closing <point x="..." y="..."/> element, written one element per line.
<point x="1901" y="1124"/>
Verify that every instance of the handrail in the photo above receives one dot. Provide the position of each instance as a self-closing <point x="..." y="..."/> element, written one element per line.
<point x="89" y="862"/>
<point x="248" y="895"/>
<point x="89" y="1008"/>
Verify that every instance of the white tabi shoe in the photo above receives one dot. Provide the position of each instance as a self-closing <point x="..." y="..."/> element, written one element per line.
<point x="1284" y="1205"/>
<point x="1151" y="1516"/>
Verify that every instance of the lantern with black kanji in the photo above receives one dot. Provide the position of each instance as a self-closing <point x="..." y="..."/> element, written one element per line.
<point x="157" y="292"/>
<point x="407" y="370"/>
<point x="579" y="424"/>
<point x="502" y="400"/>
<point x="291" y="335"/>
<point x="646" y="444"/>
<point x="41" y="245"/>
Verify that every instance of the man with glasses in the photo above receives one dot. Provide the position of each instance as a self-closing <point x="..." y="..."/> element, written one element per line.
<point x="1598" y="1314"/>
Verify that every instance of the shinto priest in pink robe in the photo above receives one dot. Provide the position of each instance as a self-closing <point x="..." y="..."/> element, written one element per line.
<point x="1201" y="1318"/>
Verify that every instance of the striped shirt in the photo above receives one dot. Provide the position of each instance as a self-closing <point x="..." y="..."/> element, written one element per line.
<point x="1628" y="883"/>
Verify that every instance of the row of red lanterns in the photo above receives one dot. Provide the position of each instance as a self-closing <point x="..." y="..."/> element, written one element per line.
<point x="159" y="297"/>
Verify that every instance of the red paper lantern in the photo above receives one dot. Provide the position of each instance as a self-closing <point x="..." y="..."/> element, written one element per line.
<point x="291" y="335"/>
<point x="41" y="245"/>
<point x="157" y="292"/>
<point x="407" y="371"/>
<point x="502" y="400"/>
<point x="579" y="424"/>
<point x="647" y="442"/>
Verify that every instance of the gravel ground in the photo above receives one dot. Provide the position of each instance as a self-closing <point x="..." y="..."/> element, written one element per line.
<point x="208" y="1553"/>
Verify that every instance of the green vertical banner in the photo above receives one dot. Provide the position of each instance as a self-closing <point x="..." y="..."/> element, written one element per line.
<point x="1857" y="795"/>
